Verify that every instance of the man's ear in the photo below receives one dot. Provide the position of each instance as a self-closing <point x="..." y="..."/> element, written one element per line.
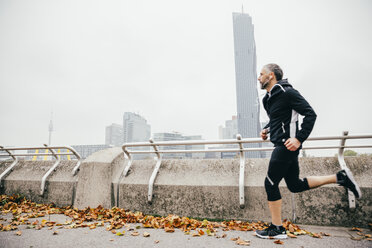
<point x="272" y="75"/>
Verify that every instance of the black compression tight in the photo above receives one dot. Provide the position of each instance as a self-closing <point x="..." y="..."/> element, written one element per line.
<point x="283" y="164"/>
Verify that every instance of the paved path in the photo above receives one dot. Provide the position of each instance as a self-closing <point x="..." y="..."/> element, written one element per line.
<point x="99" y="237"/>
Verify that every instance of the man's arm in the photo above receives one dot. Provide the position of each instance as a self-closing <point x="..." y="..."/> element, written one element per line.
<point x="299" y="104"/>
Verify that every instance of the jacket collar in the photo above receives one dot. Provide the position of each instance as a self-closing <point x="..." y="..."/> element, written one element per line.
<point x="278" y="88"/>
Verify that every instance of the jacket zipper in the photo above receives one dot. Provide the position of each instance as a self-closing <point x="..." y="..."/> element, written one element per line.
<point x="283" y="127"/>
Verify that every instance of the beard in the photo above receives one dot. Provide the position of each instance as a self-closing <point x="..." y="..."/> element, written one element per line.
<point x="264" y="85"/>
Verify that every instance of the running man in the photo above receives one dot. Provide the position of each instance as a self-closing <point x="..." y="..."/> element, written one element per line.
<point x="283" y="104"/>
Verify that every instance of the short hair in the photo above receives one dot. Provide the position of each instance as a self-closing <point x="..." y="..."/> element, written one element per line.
<point x="278" y="72"/>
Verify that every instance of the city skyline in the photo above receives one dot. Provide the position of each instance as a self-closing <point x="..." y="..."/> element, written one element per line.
<point x="173" y="63"/>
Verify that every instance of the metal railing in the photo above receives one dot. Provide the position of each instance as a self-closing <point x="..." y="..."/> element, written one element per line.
<point x="240" y="150"/>
<point x="57" y="156"/>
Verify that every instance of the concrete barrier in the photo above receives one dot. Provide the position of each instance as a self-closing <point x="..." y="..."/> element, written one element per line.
<point x="209" y="189"/>
<point x="25" y="179"/>
<point x="96" y="176"/>
<point x="203" y="188"/>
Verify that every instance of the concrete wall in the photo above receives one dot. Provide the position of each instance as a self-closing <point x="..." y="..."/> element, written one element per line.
<point x="25" y="179"/>
<point x="197" y="188"/>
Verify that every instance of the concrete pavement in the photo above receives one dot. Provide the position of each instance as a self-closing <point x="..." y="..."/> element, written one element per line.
<point x="100" y="237"/>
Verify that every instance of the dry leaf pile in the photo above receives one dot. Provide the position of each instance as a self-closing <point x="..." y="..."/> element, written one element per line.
<point x="24" y="210"/>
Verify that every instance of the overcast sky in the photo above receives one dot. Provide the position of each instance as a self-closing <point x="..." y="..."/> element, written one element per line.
<point x="173" y="63"/>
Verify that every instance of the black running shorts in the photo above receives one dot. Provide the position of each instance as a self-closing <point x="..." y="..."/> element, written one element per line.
<point x="284" y="164"/>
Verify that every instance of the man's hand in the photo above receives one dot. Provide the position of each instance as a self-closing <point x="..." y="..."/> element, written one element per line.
<point x="292" y="144"/>
<point x="263" y="134"/>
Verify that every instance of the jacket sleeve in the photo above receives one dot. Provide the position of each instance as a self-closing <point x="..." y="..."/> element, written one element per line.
<point x="267" y="126"/>
<point x="301" y="106"/>
<point x="264" y="103"/>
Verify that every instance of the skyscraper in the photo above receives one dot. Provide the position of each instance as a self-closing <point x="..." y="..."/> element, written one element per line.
<point x="114" y="135"/>
<point x="135" y="128"/>
<point x="248" y="108"/>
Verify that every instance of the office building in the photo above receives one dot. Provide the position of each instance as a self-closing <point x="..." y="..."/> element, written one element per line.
<point x="175" y="136"/>
<point x="248" y="108"/>
<point x="194" y="147"/>
<point x="229" y="132"/>
<point x="114" y="135"/>
<point x="231" y="128"/>
<point x="87" y="150"/>
<point x="135" y="128"/>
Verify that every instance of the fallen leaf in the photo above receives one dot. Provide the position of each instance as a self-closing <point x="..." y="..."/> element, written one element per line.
<point x="201" y="232"/>
<point x="19" y="233"/>
<point x="242" y="242"/>
<point x="325" y="234"/>
<point x="369" y="239"/>
<point x="134" y="233"/>
<point x="55" y="232"/>
<point x="156" y="241"/>
<point x="356" y="229"/>
<point x="279" y="242"/>
<point x="368" y="235"/>
<point x="113" y="231"/>
<point x="209" y="233"/>
<point x="357" y="238"/>
<point x="146" y="234"/>
<point x="224" y="235"/>
<point x="316" y="235"/>
<point x="360" y="233"/>
<point x="290" y="228"/>
<point x="169" y="229"/>
<point x="111" y="240"/>
<point x="195" y="234"/>
<point x="291" y="235"/>
<point x="235" y="239"/>
<point x="120" y="233"/>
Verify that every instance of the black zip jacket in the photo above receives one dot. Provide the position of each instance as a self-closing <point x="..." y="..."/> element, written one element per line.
<point x="283" y="104"/>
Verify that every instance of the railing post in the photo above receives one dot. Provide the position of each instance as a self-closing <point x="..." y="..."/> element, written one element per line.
<point x="154" y="173"/>
<point x="241" y="172"/>
<point x="77" y="155"/>
<point x="127" y="168"/>
<point x="53" y="168"/>
<point x="341" y="161"/>
<point x="124" y="173"/>
<point x="9" y="169"/>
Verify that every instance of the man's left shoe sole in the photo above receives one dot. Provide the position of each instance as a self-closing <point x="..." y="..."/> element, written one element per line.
<point x="279" y="236"/>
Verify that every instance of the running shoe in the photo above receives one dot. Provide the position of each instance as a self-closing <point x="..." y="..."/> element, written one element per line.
<point x="272" y="232"/>
<point x="345" y="178"/>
